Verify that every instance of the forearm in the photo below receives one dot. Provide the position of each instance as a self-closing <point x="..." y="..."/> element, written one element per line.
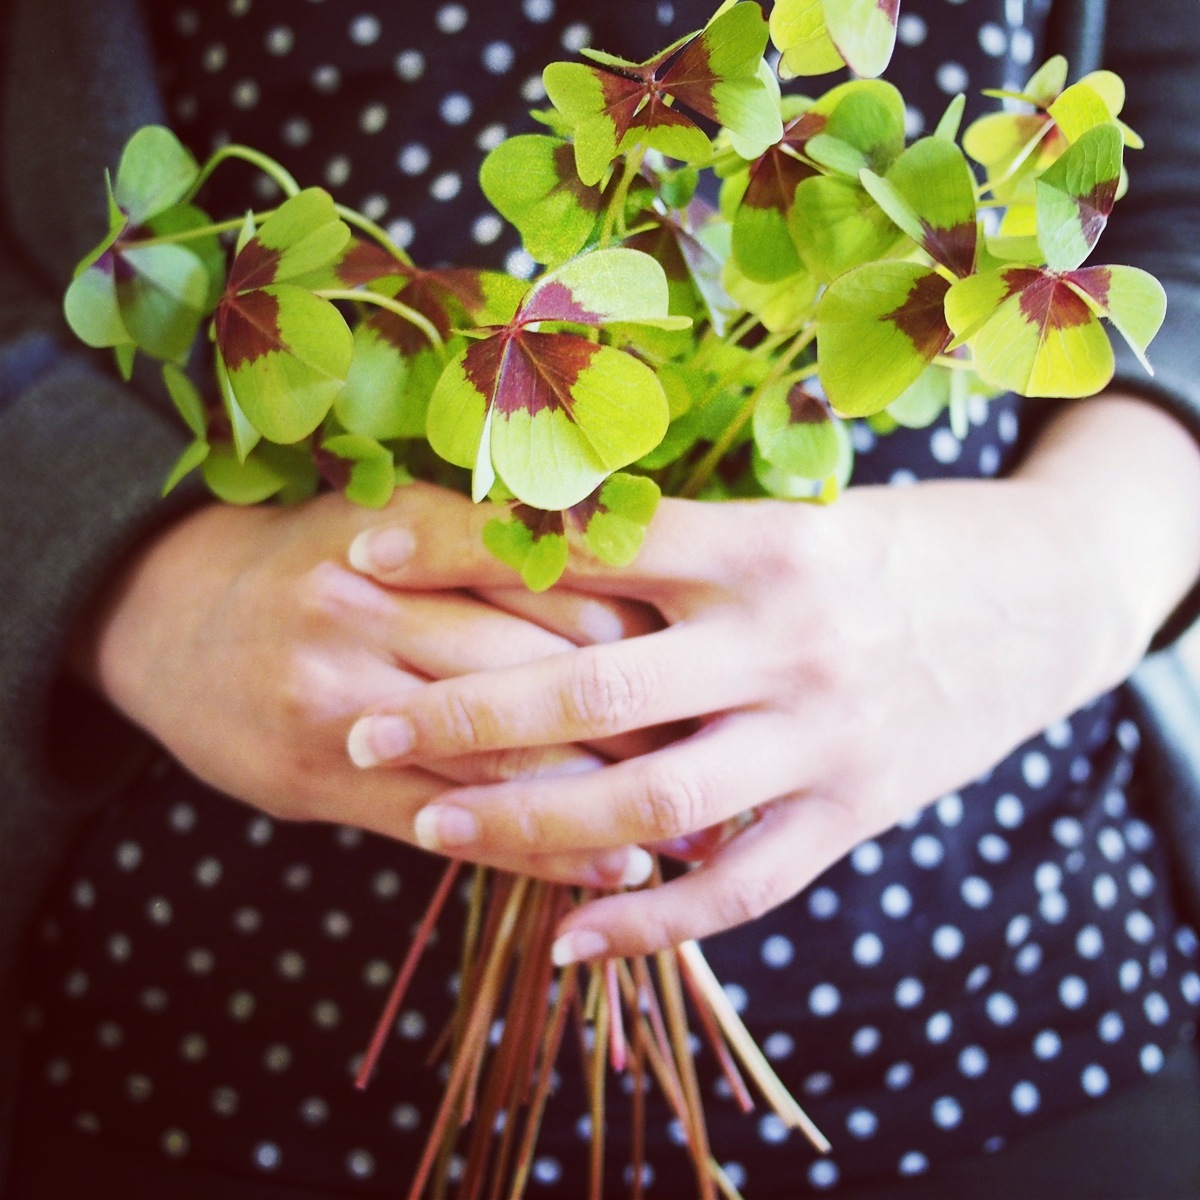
<point x="1122" y="480"/>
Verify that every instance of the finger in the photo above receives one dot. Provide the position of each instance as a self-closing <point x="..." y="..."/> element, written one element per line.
<point x="683" y="672"/>
<point x="388" y="804"/>
<point x="434" y="539"/>
<point x="687" y="787"/>
<point x="583" y="620"/>
<point x="767" y="864"/>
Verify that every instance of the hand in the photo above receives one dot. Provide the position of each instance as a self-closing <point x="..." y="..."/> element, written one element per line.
<point x="849" y="664"/>
<point x="241" y="642"/>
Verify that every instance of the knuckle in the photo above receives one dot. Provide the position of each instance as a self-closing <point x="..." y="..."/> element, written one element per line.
<point x="606" y="694"/>
<point x="303" y="689"/>
<point x="506" y="766"/>
<point x="779" y="545"/>
<point x="462" y="721"/>
<point x="321" y="593"/>
<point x="668" y="803"/>
<point x="746" y="898"/>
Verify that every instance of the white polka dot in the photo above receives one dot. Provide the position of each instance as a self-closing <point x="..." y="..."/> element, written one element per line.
<point x="1156" y="1008"/>
<point x="1007" y="426"/>
<point x="1189" y="987"/>
<point x="777" y="951"/>
<point x="910" y="991"/>
<point x="200" y="960"/>
<point x="947" y="1112"/>
<point x="944" y="446"/>
<point x="772" y="1130"/>
<point x="452" y="18"/>
<point x="1048" y="877"/>
<point x="993" y="40"/>
<point x="187" y="21"/>
<point x="862" y="1122"/>
<point x="1130" y="975"/>
<point x="978" y="978"/>
<point x="819" y="1083"/>
<point x="326" y="79"/>
<point x="824" y="1000"/>
<point x="1028" y="959"/>
<point x="1139" y="835"/>
<point x="365" y="30"/>
<point x="778" y="1046"/>
<point x="1073" y="992"/>
<point x="902" y="477"/>
<point x="159" y="910"/>
<point x="993" y="848"/>
<point x="486" y="229"/>
<point x="1025" y="1098"/>
<point x="947" y="941"/>
<point x="1001" y="1008"/>
<point x="1022" y="46"/>
<point x="736" y="995"/>
<point x="490" y="136"/>
<point x="129" y="856"/>
<point x="409" y="65"/>
<point x="913" y="1163"/>
<point x="1104" y="891"/>
<point x="939" y="1027"/>
<point x="1111" y="844"/>
<point x="406" y="1118"/>
<point x="84" y="894"/>
<point x="1067" y="832"/>
<point x="119" y="947"/>
<point x="1018" y="929"/>
<point x="973" y="1061"/>
<point x="575" y="37"/>
<point x="456" y="108"/>
<point x="520" y="264"/>
<point x="664" y="14"/>
<point x="899" y="1076"/>
<point x="373" y="118"/>
<point x="867" y="858"/>
<point x="267" y="1156"/>
<point x="215" y="57"/>
<point x="1111" y="1027"/>
<point x="1141" y="880"/>
<point x="539" y="11"/>
<point x="326" y="1014"/>
<point x="498" y="57"/>
<point x="896" y="901"/>
<point x="139" y="1088"/>
<point x="533" y="89"/>
<point x="950" y="810"/>
<point x="401" y="232"/>
<point x="989" y="460"/>
<point x="1010" y="812"/>
<point x="823" y="903"/>
<point x="911" y="30"/>
<point x="175" y="1143"/>
<point x="868" y="949"/>
<point x="866" y="1040"/>
<point x="1139" y="927"/>
<point x="927" y="851"/>
<point x="208" y="872"/>
<point x="1053" y="907"/>
<point x="1152" y="1059"/>
<point x="414" y="159"/>
<point x="914" y="126"/>
<point x="952" y="78"/>
<point x="279" y="40"/>
<point x="1035" y="767"/>
<point x="296" y="131"/>
<point x="1094" y="1080"/>
<point x="976" y="891"/>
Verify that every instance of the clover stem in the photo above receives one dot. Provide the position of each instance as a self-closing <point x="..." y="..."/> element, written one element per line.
<point x="954" y="364"/>
<point x="614" y="218"/>
<point x="352" y="217"/>
<point x="704" y="469"/>
<point x="191" y="235"/>
<point x="268" y="166"/>
<point x="359" y="296"/>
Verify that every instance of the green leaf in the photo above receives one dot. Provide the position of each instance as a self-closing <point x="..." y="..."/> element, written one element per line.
<point x="125" y="355"/>
<point x="795" y="432"/>
<point x="867" y="115"/>
<point x="920" y="404"/>
<point x="249" y="482"/>
<point x="387" y="392"/>
<point x="186" y="218"/>
<point x="1080" y="108"/>
<point x="532" y="542"/>
<point x="245" y="436"/>
<point x="930" y="193"/>
<point x="800" y="34"/>
<point x="1030" y="332"/>
<point x="156" y="171"/>
<point x="188" y="461"/>
<point x="864" y="32"/>
<point x="878" y="328"/>
<point x="614" y="519"/>
<point x="186" y="399"/>
<point x="601" y="288"/>
<point x="303" y="235"/>
<point x="371" y="479"/>
<point x="1133" y="300"/>
<point x="1076" y="195"/>
<point x="837" y="226"/>
<point x="163" y="293"/>
<point x="951" y="120"/>
<point x="782" y="306"/>
<point x="288" y="353"/>
<point x="92" y="310"/>
<point x="532" y="182"/>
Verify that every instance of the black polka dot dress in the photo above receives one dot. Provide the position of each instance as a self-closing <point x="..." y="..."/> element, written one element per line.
<point x="206" y="978"/>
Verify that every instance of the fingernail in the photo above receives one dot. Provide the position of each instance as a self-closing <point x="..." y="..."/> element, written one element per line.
<point x="375" y="740"/>
<point x="441" y="828"/>
<point x="381" y="550"/>
<point x="578" y="945"/>
<point x="638" y="868"/>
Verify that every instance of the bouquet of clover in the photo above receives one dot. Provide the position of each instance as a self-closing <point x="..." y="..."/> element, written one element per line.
<point x="670" y="346"/>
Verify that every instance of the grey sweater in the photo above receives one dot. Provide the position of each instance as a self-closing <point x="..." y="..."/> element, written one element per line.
<point x="82" y="456"/>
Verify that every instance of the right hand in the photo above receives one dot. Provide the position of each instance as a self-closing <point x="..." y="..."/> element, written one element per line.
<point x="241" y="641"/>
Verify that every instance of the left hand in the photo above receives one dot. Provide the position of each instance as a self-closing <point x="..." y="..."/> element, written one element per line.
<point x="849" y="665"/>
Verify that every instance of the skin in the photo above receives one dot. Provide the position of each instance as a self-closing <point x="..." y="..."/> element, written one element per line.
<point x="243" y="642"/>
<point x="843" y="666"/>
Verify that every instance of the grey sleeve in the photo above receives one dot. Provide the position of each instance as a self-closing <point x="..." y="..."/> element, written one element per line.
<point x="1156" y="48"/>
